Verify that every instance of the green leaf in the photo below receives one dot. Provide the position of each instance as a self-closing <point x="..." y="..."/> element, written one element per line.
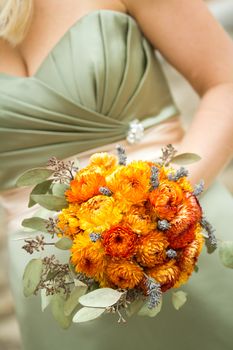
<point x="59" y="189"/>
<point x="179" y="299"/>
<point x="45" y="299"/>
<point x="145" y="311"/>
<point x="73" y="301"/>
<point x="57" y="306"/>
<point x="41" y="188"/>
<point x="186" y="158"/>
<point x="34" y="176"/>
<point x="226" y="253"/>
<point x="65" y="243"/>
<point x="134" y="307"/>
<point x="36" y="223"/>
<point x="31" y="276"/>
<point x="50" y="202"/>
<point x="87" y="314"/>
<point x="102" y="297"/>
<point x="196" y="268"/>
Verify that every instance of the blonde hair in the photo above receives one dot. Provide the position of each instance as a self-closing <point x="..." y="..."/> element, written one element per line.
<point x="15" y="17"/>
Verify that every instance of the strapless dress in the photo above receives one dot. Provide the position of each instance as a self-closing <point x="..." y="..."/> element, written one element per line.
<point x="102" y="75"/>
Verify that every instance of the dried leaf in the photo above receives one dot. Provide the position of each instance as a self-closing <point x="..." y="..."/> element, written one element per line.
<point x="179" y="299"/>
<point x="226" y="253"/>
<point x="34" y="176"/>
<point x="41" y="188"/>
<point x="35" y="223"/>
<point x="102" y="297"/>
<point x="87" y="314"/>
<point x="50" y="202"/>
<point x="31" y="276"/>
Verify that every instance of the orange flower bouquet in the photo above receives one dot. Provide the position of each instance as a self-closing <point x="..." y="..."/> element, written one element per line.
<point x="133" y="231"/>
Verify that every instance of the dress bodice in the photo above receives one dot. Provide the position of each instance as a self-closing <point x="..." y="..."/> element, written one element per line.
<point x="101" y="75"/>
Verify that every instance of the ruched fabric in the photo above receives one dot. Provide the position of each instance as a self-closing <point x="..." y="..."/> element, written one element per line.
<point x="101" y="75"/>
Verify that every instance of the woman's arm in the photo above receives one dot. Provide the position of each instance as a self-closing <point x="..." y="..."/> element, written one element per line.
<point x="191" y="39"/>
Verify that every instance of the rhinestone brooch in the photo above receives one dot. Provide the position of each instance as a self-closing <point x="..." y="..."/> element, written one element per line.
<point x="135" y="132"/>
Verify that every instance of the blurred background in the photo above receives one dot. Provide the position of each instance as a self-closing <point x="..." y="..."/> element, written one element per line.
<point x="187" y="100"/>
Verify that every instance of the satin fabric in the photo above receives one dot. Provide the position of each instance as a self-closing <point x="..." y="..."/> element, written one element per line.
<point x="82" y="97"/>
<point x="101" y="75"/>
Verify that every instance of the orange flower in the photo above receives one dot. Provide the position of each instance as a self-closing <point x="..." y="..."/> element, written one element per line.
<point x="106" y="163"/>
<point x="166" y="274"/>
<point x="99" y="214"/>
<point x="130" y="184"/>
<point x="151" y="249"/>
<point x="119" y="241"/>
<point x="189" y="213"/>
<point x="124" y="273"/>
<point x="181" y="239"/>
<point x="139" y="220"/>
<point x="85" y="186"/>
<point x="166" y="198"/>
<point x="88" y="257"/>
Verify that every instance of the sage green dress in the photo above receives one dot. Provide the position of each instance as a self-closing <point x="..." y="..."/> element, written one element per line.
<point x="100" y="76"/>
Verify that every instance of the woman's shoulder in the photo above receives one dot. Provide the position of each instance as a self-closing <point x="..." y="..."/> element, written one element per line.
<point x="11" y="62"/>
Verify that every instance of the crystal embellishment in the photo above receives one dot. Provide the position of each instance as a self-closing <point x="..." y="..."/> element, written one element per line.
<point x="135" y="132"/>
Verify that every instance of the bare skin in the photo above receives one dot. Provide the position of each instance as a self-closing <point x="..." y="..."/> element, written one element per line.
<point x="188" y="37"/>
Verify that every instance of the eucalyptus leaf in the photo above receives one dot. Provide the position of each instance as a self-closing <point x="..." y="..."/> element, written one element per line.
<point x="50" y="202"/>
<point x="87" y="314"/>
<point x="57" y="306"/>
<point x="34" y="176"/>
<point x="73" y="301"/>
<point x="226" y="253"/>
<point x="134" y="307"/>
<point x="179" y="299"/>
<point x="31" y="276"/>
<point x="102" y="297"/>
<point x="186" y="158"/>
<point x="41" y="188"/>
<point x="59" y="189"/>
<point x="65" y="243"/>
<point x="45" y="299"/>
<point x="145" y="311"/>
<point x="35" y="223"/>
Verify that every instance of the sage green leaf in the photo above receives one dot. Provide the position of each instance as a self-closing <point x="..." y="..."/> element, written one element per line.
<point x="59" y="189"/>
<point x="87" y="314"/>
<point x="226" y="253"/>
<point x="186" y="158"/>
<point x="179" y="299"/>
<point x="50" y="202"/>
<point x="35" y="223"/>
<point x="65" y="243"/>
<point x="41" y="188"/>
<point x="102" y="297"/>
<point x="79" y="283"/>
<point x="57" y="306"/>
<point x="134" y="307"/>
<point x="34" y="176"/>
<point x="45" y="299"/>
<point x="73" y="301"/>
<point x="31" y="276"/>
<point x="145" y="311"/>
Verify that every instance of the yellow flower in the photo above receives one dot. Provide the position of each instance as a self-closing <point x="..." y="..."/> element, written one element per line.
<point x="138" y="218"/>
<point x="130" y="184"/>
<point x="151" y="249"/>
<point x="88" y="257"/>
<point x="166" y="274"/>
<point x="106" y="163"/>
<point x="68" y="221"/>
<point x="99" y="214"/>
<point x="124" y="273"/>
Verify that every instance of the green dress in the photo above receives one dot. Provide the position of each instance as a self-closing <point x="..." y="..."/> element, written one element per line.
<point x="100" y="76"/>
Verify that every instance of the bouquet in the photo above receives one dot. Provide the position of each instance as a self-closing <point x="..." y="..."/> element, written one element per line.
<point x="131" y="231"/>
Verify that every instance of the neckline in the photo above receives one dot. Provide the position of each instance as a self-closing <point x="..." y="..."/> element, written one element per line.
<point x="76" y="23"/>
